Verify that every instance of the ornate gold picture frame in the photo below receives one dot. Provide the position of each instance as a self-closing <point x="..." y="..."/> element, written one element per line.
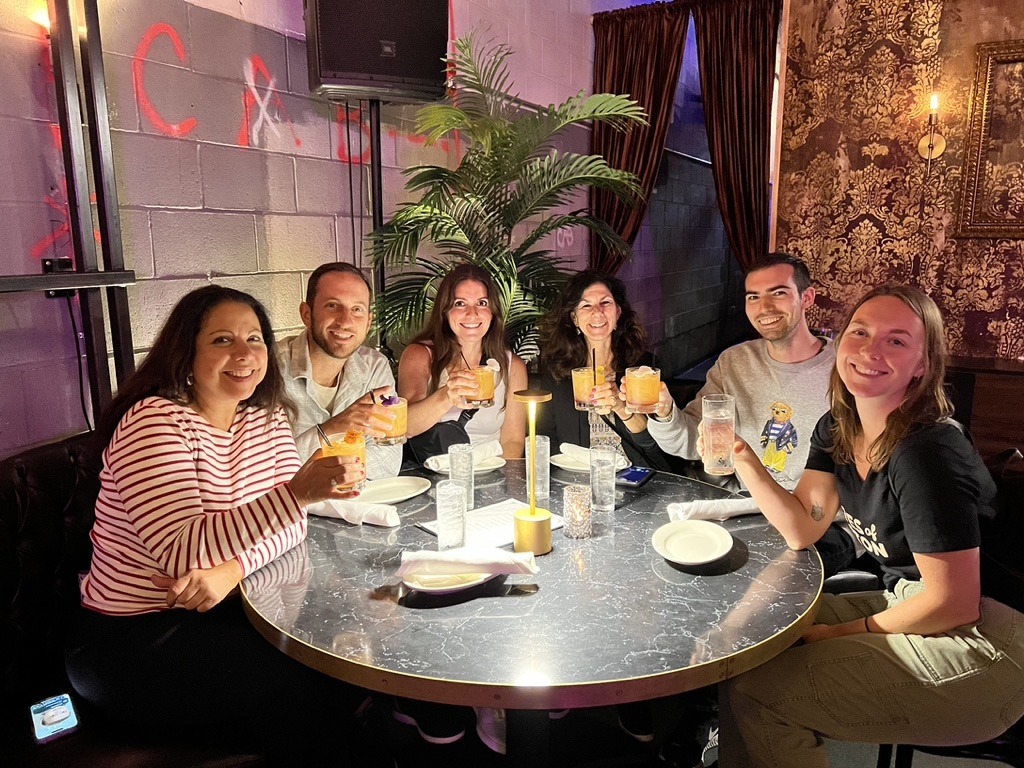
<point x="992" y="203"/>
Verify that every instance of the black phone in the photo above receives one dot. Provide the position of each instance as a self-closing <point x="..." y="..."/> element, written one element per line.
<point x="53" y="717"/>
<point x="633" y="477"/>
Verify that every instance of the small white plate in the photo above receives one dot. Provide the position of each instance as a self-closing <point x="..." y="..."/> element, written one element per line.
<point x="445" y="583"/>
<point x="391" y="490"/>
<point x="569" y="464"/>
<point x="489" y="464"/>
<point x="692" y="542"/>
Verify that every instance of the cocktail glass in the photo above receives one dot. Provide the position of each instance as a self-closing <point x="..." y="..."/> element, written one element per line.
<point x="643" y="387"/>
<point x="352" y="443"/>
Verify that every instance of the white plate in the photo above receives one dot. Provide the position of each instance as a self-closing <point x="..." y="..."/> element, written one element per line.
<point x="692" y="542"/>
<point x="391" y="490"/>
<point x="443" y="584"/>
<point x="489" y="464"/>
<point x="569" y="464"/>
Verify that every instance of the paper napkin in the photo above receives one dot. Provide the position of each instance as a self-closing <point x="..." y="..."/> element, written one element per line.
<point x="356" y="512"/>
<point x="711" y="509"/>
<point x="427" y="562"/>
<point x="480" y="453"/>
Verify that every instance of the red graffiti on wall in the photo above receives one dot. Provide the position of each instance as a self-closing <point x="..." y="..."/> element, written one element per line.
<point x="48" y="243"/>
<point x="346" y="119"/>
<point x="354" y="137"/>
<point x="252" y="98"/>
<point x="177" y="130"/>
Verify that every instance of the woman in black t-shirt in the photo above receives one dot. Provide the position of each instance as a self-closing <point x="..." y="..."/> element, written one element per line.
<point x="930" y="660"/>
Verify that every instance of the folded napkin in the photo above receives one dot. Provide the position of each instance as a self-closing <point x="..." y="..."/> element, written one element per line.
<point x="480" y="453"/>
<point x="576" y="452"/>
<point x="356" y="512"/>
<point x="426" y="562"/>
<point x="711" y="509"/>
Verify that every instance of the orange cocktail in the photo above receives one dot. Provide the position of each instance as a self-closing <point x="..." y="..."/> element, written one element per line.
<point x="643" y="387"/>
<point x="485" y="385"/>
<point x="352" y="443"/>
<point x="396" y="434"/>
<point x="583" y="381"/>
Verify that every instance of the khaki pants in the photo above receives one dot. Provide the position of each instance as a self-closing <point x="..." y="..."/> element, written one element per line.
<point x="961" y="687"/>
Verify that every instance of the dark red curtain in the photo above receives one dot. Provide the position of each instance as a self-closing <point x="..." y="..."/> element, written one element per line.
<point x="637" y="52"/>
<point x="736" y="47"/>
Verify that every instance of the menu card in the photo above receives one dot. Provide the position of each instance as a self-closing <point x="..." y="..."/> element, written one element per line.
<point x="493" y="525"/>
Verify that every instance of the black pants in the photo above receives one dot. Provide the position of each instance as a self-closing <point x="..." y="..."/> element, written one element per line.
<point x="176" y="670"/>
<point x="836" y="550"/>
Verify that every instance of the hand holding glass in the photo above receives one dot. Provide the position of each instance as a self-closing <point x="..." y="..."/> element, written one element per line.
<point x="719" y="423"/>
<point x="352" y="443"/>
<point x="643" y="385"/>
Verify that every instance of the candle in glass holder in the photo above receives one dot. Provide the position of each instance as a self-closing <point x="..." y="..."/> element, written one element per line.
<point x="576" y="511"/>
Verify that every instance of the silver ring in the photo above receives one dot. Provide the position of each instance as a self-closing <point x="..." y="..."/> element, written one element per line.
<point x="334" y="482"/>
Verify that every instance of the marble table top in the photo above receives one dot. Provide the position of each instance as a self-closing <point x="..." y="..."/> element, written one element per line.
<point x="606" y="620"/>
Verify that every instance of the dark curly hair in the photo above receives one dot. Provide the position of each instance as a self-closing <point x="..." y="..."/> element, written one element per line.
<point x="165" y="370"/>
<point x="564" y="348"/>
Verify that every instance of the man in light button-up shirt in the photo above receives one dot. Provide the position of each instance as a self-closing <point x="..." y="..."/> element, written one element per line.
<point x="332" y="378"/>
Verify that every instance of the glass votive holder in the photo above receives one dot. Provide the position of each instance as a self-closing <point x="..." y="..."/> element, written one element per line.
<point x="577" y="520"/>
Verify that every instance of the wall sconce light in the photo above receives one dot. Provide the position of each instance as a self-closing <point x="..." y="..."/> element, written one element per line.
<point x="41" y="17"/>
<point x="933" y="143"/>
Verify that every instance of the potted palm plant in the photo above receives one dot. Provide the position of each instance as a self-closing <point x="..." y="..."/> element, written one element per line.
<point x="511" y="191"/>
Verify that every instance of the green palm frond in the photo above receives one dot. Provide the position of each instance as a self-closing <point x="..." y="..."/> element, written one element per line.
<point x="506" y="196"/>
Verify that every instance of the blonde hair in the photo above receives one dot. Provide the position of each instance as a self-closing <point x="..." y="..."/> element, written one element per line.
<point x="925" y="401"/>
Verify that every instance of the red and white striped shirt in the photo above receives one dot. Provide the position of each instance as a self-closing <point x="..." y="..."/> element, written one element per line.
<point x="176" y="493"/>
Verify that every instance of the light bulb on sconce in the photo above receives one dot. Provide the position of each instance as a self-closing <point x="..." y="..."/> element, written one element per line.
<point x="41" y="17"/>
<point x="933" y="143"/>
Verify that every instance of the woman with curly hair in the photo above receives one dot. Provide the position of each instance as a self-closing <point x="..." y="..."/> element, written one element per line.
<point x="594" y="324"/>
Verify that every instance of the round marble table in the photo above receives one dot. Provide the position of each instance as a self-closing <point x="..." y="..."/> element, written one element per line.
<point x="605" y="620"/>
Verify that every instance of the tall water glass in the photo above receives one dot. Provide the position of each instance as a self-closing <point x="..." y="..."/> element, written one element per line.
<point x="451" y="514"/>
<point x="460" y="469"/>
<point x="719" y="417"/>
<point x="602" y="480"/>
<point x="542" y="466"/>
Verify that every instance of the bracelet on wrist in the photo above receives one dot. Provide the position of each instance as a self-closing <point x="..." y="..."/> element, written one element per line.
<point x="867" y="628"/>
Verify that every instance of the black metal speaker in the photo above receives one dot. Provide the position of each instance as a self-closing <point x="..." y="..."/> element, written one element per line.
<point x="390" y="50"/>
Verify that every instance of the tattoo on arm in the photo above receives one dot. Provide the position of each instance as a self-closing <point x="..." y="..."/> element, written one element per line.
<point x="817" y="512"/>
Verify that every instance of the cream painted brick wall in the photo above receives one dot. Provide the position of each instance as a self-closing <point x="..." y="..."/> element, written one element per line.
<point x="523" y="24"/>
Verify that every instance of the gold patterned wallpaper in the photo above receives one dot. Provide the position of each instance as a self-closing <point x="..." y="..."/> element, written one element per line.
<point x="856" y="201"/>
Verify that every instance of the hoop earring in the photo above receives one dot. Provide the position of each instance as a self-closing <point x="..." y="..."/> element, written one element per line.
<point x="189" y="381"/>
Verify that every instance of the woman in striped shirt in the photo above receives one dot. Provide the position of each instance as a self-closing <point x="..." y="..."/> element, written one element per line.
<point x="201" y="485"/>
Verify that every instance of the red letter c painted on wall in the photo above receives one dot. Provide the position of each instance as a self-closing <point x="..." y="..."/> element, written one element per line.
<point x="177" y="130"/>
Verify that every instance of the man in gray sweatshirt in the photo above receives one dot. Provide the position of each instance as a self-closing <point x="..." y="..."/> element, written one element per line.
<point x="780" y="384"/>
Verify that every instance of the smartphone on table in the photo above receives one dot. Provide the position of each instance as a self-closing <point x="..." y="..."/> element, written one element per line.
<point x="633" y="477"/>
<point x="53" y="717"/>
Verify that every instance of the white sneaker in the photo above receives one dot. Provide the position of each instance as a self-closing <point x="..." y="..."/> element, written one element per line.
<point x="710" y="754"/>
<point x="490" y="727"/>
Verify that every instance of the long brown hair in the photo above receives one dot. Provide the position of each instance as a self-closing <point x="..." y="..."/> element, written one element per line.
<point x="438" y="336"/>
<point x="166" y="370"/>
<point x="563" y="346"/>
<point x="925" y="401"/>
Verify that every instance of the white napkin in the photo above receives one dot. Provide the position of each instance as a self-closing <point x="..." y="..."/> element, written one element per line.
<point x="480" y="453"/>
<point x="427" y="562"/>
<point x="711" y="509"/>
<point x="356" y="512"/>
<point x="577" y="453"/>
